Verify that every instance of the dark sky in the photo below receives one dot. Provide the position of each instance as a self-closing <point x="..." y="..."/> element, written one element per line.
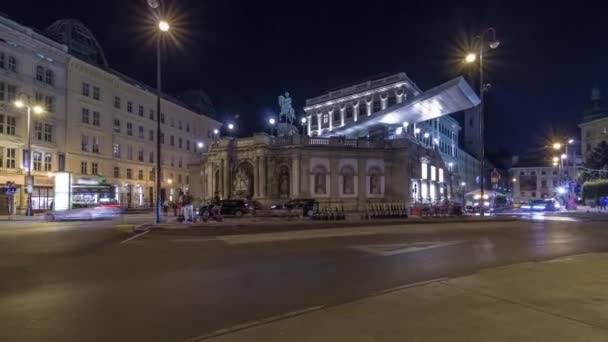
<point x="245" y="53"/>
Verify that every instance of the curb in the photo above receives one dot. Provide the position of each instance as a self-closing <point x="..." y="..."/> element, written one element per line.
<point x="253" y="228"/>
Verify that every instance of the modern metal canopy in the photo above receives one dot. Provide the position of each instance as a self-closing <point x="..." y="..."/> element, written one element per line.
<point x="453" y="96"/>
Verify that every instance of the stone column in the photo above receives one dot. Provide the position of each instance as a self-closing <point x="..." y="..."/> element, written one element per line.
<point x="342" y="110"/>
<point x="309" y="124"/>
<point x="320" y="122"/>
<point x="295" y="176"/>
<point x="262" y="176"/>
<point x="226" y="178"/>
<point x="256" y="178"/>
<point x="356" y="112"/>
<point x="210" y="185"/>
<point x="331" y="120"/>
<point x="369" y="107"/>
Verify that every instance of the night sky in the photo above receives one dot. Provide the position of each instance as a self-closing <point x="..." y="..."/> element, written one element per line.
<point x="245" y="53"/>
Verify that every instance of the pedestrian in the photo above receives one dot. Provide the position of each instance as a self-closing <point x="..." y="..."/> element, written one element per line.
<point x="187" y="207"/>
<point x="603" y="203"/>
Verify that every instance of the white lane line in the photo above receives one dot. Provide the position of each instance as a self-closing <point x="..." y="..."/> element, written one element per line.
<point x="195" y="239"/>
<point x="135" y="236"/>
<point x="253" y="324"/>
<point x="406" y="286"/>
<point x="407" y="247"/>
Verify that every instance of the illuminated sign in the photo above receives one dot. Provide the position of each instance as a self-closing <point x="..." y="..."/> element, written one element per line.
<point x="63" y="190"/>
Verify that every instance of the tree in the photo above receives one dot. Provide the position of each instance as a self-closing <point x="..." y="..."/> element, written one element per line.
<point x="596" y="166"/>
<point x="598" y="158"/>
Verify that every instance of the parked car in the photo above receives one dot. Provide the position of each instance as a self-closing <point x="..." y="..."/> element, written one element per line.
<point x="307" y="205"/>
<point x="85" y="212"/>
<point x="278" y="210"/>
<point x="542" y="205"/>
<point x="236" y="208"/>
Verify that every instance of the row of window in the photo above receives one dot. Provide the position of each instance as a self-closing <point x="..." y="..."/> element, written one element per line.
<point x="8" y="92"/>
<point x="84" y="145"/>
<point x="8" y="62"/>
<point x="40" y="163"/>
<point x="8" y="157"/>
<point x="43" y="132"/>
<point x="47" y="101"/>
<point x="543" y="172"/>
<point x="86" y="117"/>
<point x="436" y="173"/>
<point x="141" y="110"/>
<point x="8" y="124"/>
<point x="116" y="152"/>
<point x="363" y="107"/>
<point x="181" y="143"/>
<point x="86" y="91"/>
<point x="116" y="172"/>
<point x="45" y="75"/>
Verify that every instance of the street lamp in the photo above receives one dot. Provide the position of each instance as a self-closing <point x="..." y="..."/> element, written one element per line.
<point x="470" y="58"/>
<point x="303" y="121"/>
<point x="557" y="146"/>
<point x="163" y="27"/>
<point x="271" y="121"/>
<point x="200" y="145"/>
<point x="24" y="101"/>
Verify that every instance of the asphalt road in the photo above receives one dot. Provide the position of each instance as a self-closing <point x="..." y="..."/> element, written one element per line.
<point x="86" y="282"/>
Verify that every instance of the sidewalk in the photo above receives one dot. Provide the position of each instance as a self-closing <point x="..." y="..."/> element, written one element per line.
<point x="264" y="225"/>
<point x="560" y="300"/>
<point x="18" y="218"/>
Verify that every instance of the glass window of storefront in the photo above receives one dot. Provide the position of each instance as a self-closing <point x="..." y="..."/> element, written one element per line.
<point x="42" y="198"/>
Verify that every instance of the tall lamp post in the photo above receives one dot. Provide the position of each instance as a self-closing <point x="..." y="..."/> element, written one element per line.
<point x="470" y="58"/>
<point x="163" y="27"/>
<point x="272" y="122"/>
<point x="24" y="101"/>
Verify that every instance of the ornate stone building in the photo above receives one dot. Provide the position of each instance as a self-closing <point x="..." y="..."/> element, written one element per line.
<point x="349" y="157"/>
<point x="334" y="171"/>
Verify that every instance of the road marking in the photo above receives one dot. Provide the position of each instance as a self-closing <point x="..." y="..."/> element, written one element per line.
<point x="195" y="239"/>
<point x="135" y="236"/>
<point x="400" y="248"/>
<point x="251" y="324"/>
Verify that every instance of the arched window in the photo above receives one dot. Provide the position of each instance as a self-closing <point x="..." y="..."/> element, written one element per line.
<point x="39" y="73"/>
<point x="320" y="180"/>
<point x="49" y="77"/>
<point x="348" y="180"/>
<point x="375" y="181"/>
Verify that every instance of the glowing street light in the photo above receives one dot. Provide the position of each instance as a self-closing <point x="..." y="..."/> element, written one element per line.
<point x="230" y="126"/>
<point x="303" y="120"/>
<point x="514" y="180"/>
<point x="170" y="181"/>
<point x="564" y="156"/>
<point x="426" y="134"/>
<point x="571" y="141"/>
<point x="555" y="159"/>
<point x="417" y="131"/>
<point x="557" y="146"/>
<point x="200" y="144"/>
<point x="24" y="101"/>
<point x="163" y="26"/>
<point x="216" y="131"/>
<point x="463" y="184"/>
<point x="272" y="121"/>
<point x="470" y="58"/>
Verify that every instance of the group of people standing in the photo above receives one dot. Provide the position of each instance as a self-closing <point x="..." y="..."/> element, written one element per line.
<point x="184" y="206"/>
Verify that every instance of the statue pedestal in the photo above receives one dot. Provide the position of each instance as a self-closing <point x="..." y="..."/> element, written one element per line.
<point x="285" y="129"/>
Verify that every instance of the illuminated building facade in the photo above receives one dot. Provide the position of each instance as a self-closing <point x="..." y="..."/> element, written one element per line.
<point x="99" y="124"/>
<point x="363" y="144"/>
